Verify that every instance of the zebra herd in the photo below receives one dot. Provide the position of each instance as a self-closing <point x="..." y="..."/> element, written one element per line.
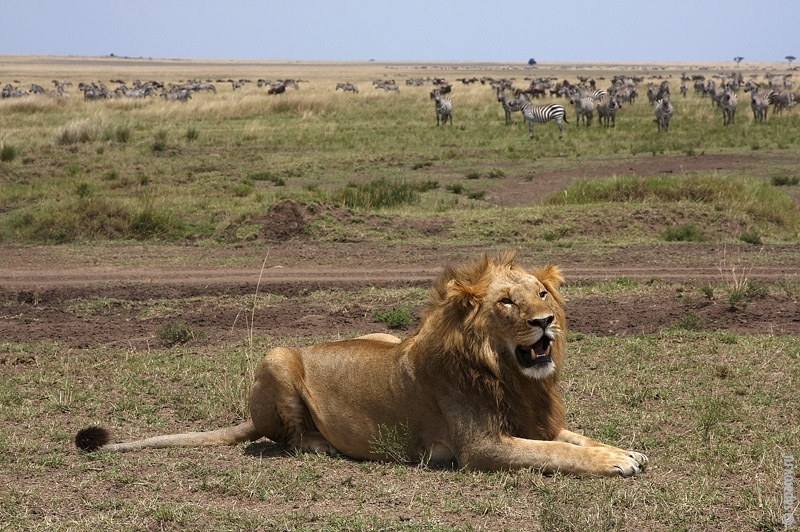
<point x="584" y="97"/>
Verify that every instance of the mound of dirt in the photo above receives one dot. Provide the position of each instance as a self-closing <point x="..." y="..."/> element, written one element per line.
<point x="286" y="220"/>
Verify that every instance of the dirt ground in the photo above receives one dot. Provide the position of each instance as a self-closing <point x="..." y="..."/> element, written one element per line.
<point x="39" y="285"/>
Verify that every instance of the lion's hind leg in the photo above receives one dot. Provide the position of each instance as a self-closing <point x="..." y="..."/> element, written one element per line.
<point x="278" y="403"/>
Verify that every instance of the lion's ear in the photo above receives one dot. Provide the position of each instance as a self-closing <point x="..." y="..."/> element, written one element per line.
<point x="463" y="294"/>
<point x="550" y="276"/>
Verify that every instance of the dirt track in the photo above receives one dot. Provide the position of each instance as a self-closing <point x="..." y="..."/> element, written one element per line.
<point x="38" y="296"/>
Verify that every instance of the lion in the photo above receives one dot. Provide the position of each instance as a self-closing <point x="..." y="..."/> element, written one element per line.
<point x="475" y="385"/>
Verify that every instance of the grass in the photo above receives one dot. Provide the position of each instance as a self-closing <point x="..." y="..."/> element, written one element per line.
<point x="683" y="397"/>
<point x="110" y="181"/>
<point x="218" y="156"/>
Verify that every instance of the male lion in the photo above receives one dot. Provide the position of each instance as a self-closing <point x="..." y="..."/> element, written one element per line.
<point x="476" y="383"/>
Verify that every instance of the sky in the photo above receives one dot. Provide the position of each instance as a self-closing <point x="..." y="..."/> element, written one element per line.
<point x="407" y="30"/>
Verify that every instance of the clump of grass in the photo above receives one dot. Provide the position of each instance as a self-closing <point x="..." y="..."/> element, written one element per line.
<point x="191" y="134"/>
<point x="83" y="190"/>
<point x="172" y="334"/>
<point x="377" y="194"/>
<point x="84" y="130"/>
<point x="395" y="318"/>
<point x="160" y="140"/>
<point x="683" y="233"/>
<point x="751" y="238"/>
<point x="496" y="173"/>
<point x="278" y="181"/>
<point x="393" y="442"/>
<point x="456" y="188"/>
<point x="689" y="322"/>
<point x="785" y="181"/>
<point x="8" y="152"/>
<point x="473" y="175"/>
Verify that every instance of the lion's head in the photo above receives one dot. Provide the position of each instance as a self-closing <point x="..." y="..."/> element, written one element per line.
<point x="496" y="314"/>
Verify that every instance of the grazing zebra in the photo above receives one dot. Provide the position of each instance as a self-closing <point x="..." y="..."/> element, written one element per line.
<point x="542" y="114"/>
<point x="444" y="108"/>
<point x="728" y="104"/>
<point x="663" y="112"/>
<point x="347" y="87"/>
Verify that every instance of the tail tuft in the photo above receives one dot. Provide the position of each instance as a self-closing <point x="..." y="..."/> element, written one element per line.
<point x="92" y="438"/>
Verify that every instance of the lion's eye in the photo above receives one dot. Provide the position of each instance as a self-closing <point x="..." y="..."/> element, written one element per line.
<point x="506" y="301"/>
<point x="543" y="294"/>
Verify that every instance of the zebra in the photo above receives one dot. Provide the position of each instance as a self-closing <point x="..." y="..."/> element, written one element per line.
<point x="542" y="114"/>
<point x="347" y="87"/>
<point x="759" y="103"/>
<point x="759" y="100"/>
<point x="663" y="112"/>
<point x="510" y="105"/>
<point x="444" y="108"/>
<point x="584" y="109"/>
<point x="728" y="104"/>
<point x="607" y="111"/>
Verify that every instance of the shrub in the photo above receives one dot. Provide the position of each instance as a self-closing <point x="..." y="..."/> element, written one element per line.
<point x="683" y="233"/>
<point x="396" y="318"/>
<point x="751" y="238"/>
<point x="377" y="194"/>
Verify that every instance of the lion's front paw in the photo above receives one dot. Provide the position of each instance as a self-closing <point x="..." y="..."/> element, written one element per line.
<point x="629" y="463"/>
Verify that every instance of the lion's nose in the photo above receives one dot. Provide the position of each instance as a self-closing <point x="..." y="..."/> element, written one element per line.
<point x="542" y="323"/>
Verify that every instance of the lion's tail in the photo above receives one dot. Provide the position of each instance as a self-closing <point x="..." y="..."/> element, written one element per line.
<point x="97" y="439"/>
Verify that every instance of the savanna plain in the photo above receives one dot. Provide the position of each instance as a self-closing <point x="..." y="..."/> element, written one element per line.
<point x="151" y="251"/>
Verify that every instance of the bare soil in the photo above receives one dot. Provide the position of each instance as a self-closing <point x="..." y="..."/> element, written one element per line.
<point x="39" y="285"/>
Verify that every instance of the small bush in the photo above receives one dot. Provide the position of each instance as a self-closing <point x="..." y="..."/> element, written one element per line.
<point x="750" y="238"/>
<point x="496" y="173"/>
<point x="396" y="318"/>
<point x="473" y="175"/>
<point x="683" y="233"/>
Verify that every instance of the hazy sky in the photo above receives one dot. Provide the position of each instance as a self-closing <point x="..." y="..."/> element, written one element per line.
<point x="406" y="30"/>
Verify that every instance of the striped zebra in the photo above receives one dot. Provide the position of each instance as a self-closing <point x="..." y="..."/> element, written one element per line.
<point x="663" y="111"/>
<point x="728" y="104"/>
<point x="542" y="114"/>
<point x="444" y="108"/>
<point x="760" y="99"/>
<point x="510" y="105"/>
<point x="347" y="87"/>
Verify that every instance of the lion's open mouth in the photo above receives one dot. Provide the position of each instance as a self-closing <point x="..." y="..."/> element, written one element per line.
<point x="533" y="355"/>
